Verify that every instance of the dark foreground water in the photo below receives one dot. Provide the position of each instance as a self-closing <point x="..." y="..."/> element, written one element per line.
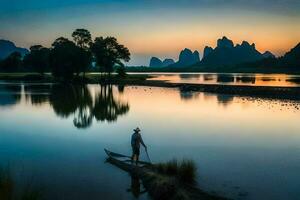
<point x="53" y="136"/>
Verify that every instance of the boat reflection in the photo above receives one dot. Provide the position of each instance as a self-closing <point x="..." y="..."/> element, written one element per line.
<point x="136" y="187"/>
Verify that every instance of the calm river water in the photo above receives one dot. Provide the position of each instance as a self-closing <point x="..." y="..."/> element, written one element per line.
<point x="54" y="136"/>
<point x="282" y="80"/>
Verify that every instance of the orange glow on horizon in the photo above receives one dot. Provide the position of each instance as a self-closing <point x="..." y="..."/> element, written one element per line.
<point x="277" y="36"/>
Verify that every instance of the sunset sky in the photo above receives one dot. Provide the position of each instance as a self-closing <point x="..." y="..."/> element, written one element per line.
<point x="155" y="28"/>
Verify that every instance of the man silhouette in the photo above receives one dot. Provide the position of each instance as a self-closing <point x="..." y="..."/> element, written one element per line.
<point x="136" y="140"/>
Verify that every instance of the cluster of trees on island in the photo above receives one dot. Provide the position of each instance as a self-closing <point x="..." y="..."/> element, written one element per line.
<point x="67" y="58"/>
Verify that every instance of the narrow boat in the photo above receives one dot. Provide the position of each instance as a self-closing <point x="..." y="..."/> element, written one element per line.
<point x="158" y="186"/>
<point x="124" y="161"/>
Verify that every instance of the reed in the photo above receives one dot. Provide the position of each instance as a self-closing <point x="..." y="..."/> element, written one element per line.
<point x="185" y="171"/>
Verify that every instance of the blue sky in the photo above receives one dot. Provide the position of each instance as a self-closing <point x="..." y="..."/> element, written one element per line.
<point x="152" y="27"/>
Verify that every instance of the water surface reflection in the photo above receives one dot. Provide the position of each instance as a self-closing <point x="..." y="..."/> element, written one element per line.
<point x="9" y="95"/>
<point x="236" y="142"/>
<point x="281" y="80"/>
<point x="69" y="100"/>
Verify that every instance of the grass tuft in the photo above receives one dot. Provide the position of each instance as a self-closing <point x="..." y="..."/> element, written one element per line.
<point x="185" y="171"/>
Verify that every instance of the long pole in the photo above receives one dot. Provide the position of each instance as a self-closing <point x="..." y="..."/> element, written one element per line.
<point x="148" y="155"/>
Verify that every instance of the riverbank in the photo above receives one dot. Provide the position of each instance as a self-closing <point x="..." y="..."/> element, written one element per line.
<point x="216" y="69"/>
<point x="272" y="92"/>
<point x="287" y="93"/>
<point x="89" y="78"/>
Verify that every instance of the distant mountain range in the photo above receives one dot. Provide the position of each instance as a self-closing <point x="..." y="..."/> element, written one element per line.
<point x="268" y="54"/>
<point x="186" y="58"/>
<point x="8" y="47"/>
<point x="290" y="60"/>
<point x="156" y="62"/>
<point x="225" y="53"/>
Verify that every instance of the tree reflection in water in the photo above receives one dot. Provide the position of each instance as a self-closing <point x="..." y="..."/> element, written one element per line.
<point x="187" y="95"/>
<point x="106" y="107"/>
<point x="224" y="99"/>
<point x="67" y="100"/>
<point x="64" y="100"/>
<point x="77" y="100"/>
<point x="37" y="94"/>
<point x="121" y="89"/>
<point x="9" y="95"/>
<point x="83" y="117"/>
<point x="136" y="187"/>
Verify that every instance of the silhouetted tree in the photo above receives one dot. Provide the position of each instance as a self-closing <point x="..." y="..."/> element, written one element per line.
<point x="63" y="58"/>
<point x="38" y="59"/>
<point x="66" y="59"/>
<point x="108" y="53"/>
<point x="12" y="63"/>
<point x="82" y="37"/>
<point x="121" y="71"/>
<point x="82" y="60"/>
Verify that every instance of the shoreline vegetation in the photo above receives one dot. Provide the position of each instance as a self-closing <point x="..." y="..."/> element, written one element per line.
<point x="273" y="92"/>
<point x="173" y="180"/>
